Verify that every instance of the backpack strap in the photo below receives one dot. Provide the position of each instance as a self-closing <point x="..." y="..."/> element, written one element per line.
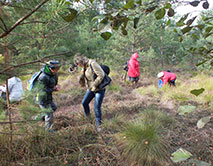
<point x="94" y="75"/>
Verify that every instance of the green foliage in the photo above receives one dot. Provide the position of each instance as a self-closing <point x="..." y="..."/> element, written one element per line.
<point x="180" y="155"/>
<point x="159" y="14"/>
<point x="71" y="16"/>
<point x="46" y="148"/>
<point x="202" y="122"/>
<point x="106" y="35"/>
<point x="28" y="110"/>
<point x="129" y="4"/>
<point x="197" y="92"/>
<point x="151" y="90"/>
<point x="115" y="122"/>
<point x="2" y="109"/>
<point x="115" y="87"/>
<point x="185" y="109"/>
<point x="142" y="144"/>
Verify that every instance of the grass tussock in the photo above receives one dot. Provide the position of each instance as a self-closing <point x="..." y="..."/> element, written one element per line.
<point x="142" y="143"/>
<point x="150" y="90"/>
<point x="115" y="88"/>
<point x="39" y="147"/>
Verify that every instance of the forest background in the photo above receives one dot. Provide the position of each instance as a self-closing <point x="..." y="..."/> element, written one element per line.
<point x="32" y="32"/>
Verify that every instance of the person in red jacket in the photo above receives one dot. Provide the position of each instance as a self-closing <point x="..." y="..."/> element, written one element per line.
<point x="167" y="77"/>
<point x="133" y="68"/>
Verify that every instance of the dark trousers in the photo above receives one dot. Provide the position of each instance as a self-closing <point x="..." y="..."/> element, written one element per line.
<point x="49" y="116"/>
<point x="172" y="83"/>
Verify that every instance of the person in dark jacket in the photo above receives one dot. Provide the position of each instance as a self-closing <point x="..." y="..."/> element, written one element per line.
<point x="48" y="83"/>
<point x="91" y="67"/>
<point x="133" y="68"/>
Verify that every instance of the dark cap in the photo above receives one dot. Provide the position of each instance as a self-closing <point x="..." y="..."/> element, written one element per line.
<point x="53" y="64"/>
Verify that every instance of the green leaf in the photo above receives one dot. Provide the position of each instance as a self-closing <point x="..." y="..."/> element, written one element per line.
<point x="180" y="155"/>
<point x="71" y="16"/>
<point x="180" y="39"/>
<point x="138" y="2"/>
<point x="200" y="163"/>
<point x="202" y="122"/>
<point x="171" y="12"/>
<point x="159" y="14"/>
<point x="106" y="35"/>
<point x="207" y="18"/>
<point x="201" y="26"/>
<point x="167" y="6"/>
<point x="182" y="19"/>
<point x="207" y="35"/>
<point x="194" y="36"/>
<point x="197" y="92"/>
<point x="129" y="4"/>
<point x="186" y="29"/>
<point x="208" y="29"/>
<point x="190" y="21"/>
<point x="185" y="109"/>
<point x="91" y="1"/>
<point x="168" y="22"/>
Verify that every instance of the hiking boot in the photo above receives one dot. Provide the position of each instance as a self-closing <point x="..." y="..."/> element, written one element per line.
<point x="99" y="129"/>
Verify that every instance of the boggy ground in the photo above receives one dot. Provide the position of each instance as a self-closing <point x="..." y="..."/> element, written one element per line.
<point x="181" y="133"/>
<point x="77" y="142"/>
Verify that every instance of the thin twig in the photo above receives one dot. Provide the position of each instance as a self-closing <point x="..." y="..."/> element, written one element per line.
<point x="22" y="19"/>
<point x="5" y="27"/>
<point x="32" y="62"/>
<point x="10" y="133"/>
<point x="21" y="121"/>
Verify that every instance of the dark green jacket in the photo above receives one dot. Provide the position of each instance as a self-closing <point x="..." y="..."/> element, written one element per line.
<point x="47" y="81"/>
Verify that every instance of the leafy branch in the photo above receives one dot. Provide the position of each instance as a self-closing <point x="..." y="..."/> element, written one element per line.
<point x="32" y="62"/>
<point x="22" y="19"/>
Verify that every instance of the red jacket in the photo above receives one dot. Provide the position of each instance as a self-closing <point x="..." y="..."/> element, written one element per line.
<point x="133" y="66"/>
<point x="168" y="77"/>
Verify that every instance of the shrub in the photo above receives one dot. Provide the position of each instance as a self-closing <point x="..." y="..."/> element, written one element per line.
<point x="141" y="143"/>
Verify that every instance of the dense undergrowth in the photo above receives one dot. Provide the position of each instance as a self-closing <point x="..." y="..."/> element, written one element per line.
<point x="142" y="126"/>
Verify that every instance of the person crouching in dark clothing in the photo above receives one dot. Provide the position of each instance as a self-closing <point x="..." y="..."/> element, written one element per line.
<point x="49" y="83"/>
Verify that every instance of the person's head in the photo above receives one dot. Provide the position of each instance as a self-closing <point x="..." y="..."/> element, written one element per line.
<point x="135" y="55"/>
<point x="54" y="66"/>
<point x="80" y="60"/>
<point x="160" y="75"/>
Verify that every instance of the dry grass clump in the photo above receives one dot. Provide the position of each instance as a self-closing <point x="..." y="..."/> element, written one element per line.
<point x="150" y="90"/>
<point x="37" y="146"/>
<point x="141" y="141"/>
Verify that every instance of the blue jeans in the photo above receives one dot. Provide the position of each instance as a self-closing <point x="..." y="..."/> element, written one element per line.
<point x="99" y="96"/>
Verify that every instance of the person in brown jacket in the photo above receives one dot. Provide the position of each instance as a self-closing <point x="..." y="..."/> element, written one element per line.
<point x="91" y="67"/>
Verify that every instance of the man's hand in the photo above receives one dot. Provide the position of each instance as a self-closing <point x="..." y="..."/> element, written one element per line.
<point x="93" y="88"/>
